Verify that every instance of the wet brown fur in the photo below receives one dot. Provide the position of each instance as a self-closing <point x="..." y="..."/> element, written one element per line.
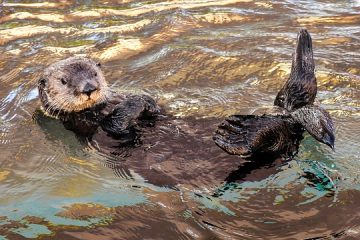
<point x="301" y="87"/>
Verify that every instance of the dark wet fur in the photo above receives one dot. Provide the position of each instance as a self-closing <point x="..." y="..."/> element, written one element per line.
<point x="301" y="87"/>
<point x="321" y="127"/>
<point x="118" y="119"/>
<point x="249" y="135"/>
<point x="252" y="135"/>
<point x="173" y="151"/>
<point x="134" y="110"/>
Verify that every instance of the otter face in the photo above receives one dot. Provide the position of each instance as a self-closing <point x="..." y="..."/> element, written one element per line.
<point x="72" y="85"/>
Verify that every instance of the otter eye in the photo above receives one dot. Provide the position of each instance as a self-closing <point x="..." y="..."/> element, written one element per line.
<point x="98" y="64"/>
<point x="63" y="81"/>
<point x="95" y="74"/>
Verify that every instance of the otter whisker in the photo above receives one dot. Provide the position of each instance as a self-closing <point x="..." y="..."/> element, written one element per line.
<point x="61" y="104"/>
<point x="49" y="108"/>
<point x="46" y="109"/>
<point x="55" y="107"/>
<point x="61" y="107"/>
<point x="52" y="109"/>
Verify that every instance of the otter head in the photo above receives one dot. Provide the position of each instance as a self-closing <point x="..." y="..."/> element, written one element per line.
<point x="317" y="122"/>
<point x="72" y="85"/>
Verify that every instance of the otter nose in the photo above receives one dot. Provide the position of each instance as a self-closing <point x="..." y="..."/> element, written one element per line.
<point x="88" y="89"/>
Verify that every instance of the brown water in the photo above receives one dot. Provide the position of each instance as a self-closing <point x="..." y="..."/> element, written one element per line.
<point x="203" y="60"/>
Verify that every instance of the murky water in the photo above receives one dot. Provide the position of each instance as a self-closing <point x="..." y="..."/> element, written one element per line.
<point x="203" y="60"/>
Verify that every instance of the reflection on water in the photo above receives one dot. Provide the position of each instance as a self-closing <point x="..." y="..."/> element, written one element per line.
<point x="203" y="60"/>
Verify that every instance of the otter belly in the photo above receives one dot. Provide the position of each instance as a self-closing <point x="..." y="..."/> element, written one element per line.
<point x="176" y="151"/>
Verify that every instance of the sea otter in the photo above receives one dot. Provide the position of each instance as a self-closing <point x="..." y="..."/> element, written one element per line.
<point x="250" y="135"/>
<point x="169" y="152"/>
<point x="135" y="135"/>
<point x="75" y="91"/>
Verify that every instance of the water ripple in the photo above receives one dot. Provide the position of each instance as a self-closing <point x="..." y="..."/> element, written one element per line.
<point x="203" y="60"/>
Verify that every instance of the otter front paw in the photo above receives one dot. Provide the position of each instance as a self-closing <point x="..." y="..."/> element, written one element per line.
<point x="151" y="109"/>
<point x="127" y="114"/>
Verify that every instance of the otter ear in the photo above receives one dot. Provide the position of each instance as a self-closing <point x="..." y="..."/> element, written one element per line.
<point x="98" y="64"/>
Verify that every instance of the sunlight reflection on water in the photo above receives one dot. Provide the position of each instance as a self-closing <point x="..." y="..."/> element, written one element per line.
<point x="203" y="60"/>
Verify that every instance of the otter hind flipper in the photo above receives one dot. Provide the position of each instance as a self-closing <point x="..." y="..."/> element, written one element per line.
<point x="296" y="94"/>
<point x="300" y="93"/>
<point x="317" y="122"/>
<point x="301" y="87"/>
<point x="128" y="113"/>
<point x="250" y="135"/>
<point x="230" y="136"/>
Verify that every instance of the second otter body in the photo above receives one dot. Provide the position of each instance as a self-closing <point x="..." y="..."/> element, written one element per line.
<point x="75" y="91"/>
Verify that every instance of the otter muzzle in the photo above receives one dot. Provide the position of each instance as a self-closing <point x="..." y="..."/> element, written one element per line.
<point x="88" y="89"/>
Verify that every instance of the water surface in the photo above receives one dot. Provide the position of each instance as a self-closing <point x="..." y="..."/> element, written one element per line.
<point x="203" y="60"/>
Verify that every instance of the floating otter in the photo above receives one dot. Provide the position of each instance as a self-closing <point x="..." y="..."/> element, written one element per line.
<point x="251" y="135"/>
<point x="172" y="151"/>
<point x="75" y="91"/>
<point x="135" y="135"/>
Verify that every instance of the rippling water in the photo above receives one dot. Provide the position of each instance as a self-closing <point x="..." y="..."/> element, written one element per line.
<point x="203" y="60"/>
